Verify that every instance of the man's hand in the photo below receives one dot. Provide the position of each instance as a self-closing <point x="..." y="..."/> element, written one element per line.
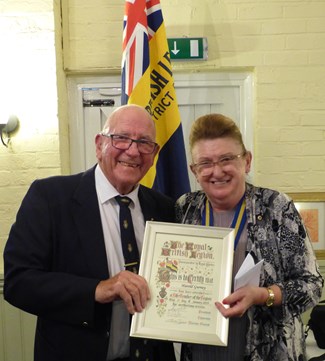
<point x="128" y="286"/>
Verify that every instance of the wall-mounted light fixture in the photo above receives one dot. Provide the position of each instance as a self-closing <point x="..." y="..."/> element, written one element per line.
<point x="8" y="128"/>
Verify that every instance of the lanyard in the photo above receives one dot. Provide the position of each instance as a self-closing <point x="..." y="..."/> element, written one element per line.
<point x="238" y="222"/>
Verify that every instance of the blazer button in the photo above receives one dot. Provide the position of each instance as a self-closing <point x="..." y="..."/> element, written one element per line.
<point x="85" y="324"/>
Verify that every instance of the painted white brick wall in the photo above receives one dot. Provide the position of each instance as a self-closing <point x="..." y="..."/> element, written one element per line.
<point x="281" y="42"/>
<point x="28" y="89"/>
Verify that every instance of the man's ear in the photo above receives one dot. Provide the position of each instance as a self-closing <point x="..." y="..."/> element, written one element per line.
<point x="156" y="151"/>
<point x="98" y="143"/>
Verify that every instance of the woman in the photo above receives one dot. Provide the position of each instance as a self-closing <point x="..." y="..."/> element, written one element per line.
<point x="265" y="321"/>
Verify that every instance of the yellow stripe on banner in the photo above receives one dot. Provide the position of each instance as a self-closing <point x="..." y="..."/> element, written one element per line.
<point x="164" y="106"/>
<point x="155" y="91"/>
<point x="240" y="216"/>
<point x="207" y="213"/>
<point x="141" y="96"/>
<point x="141" y="93"/>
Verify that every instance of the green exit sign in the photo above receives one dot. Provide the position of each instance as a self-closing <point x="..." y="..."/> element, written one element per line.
<point x="188" y="48"/>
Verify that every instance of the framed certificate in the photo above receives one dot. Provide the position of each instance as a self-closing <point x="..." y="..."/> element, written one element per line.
<point x="188" y="268"/>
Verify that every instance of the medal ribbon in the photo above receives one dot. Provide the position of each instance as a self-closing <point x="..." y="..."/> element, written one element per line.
<point x="238" y="222"/>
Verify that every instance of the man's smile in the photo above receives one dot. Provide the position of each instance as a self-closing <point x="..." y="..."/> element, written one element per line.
<point x="126" y="164"/>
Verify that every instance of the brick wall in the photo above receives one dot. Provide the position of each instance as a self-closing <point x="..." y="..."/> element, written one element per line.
<point x="28" y="89"/>
<point x="281" y="42"/>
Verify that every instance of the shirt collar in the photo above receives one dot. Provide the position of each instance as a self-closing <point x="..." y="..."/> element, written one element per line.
<point x="106" y="191"/>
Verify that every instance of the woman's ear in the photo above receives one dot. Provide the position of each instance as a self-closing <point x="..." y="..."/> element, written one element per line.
<point x="248" y="160"/>
<point x="192" y="167"/>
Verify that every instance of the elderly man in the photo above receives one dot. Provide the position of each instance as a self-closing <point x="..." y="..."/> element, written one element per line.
<point x="64" y="261"/>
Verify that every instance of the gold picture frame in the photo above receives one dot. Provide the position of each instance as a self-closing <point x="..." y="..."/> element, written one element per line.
<point x="311" y="206"/>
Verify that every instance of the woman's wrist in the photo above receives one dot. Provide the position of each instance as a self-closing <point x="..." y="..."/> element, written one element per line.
<point x="263" y="296"/>
<point x="270" y="296"/>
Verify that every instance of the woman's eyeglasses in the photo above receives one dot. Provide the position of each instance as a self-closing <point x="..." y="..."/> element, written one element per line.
<point x="205" y="168"/>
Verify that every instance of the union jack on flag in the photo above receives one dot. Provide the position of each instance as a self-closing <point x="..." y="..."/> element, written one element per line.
<point x="147" y="80"/>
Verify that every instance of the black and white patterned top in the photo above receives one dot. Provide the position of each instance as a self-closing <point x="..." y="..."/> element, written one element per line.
<point x="275" y="233"/>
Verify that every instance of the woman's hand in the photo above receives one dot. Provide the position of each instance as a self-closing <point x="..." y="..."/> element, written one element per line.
<point x="245" y="297"/>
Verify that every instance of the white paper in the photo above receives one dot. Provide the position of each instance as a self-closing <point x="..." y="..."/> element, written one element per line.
<point x="249" y="273"/>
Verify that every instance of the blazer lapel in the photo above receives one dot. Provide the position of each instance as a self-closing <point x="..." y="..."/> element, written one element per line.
<point x="88" y="224"/>
<point x="148" y="205"/>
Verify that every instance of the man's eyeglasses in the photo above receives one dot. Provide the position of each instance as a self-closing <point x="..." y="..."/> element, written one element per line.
<point x="123" y="142"/>
<point x="205" y="168"/>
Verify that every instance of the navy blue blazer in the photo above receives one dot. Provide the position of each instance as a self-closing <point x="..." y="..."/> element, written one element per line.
<point x="53" y="260"/>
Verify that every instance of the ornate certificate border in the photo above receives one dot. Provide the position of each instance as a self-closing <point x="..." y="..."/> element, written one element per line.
<point x="187" y="268"/>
